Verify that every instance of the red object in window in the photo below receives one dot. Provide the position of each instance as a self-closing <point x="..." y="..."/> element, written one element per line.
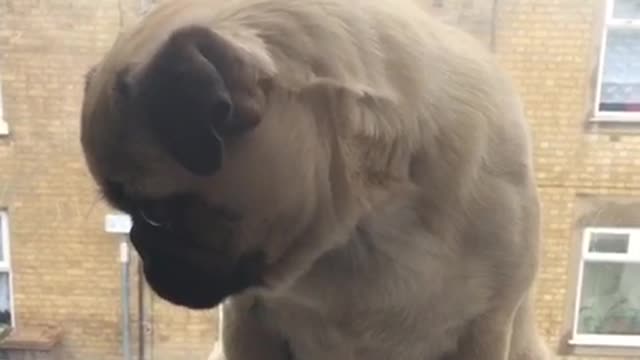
<point x="632" y="107"/>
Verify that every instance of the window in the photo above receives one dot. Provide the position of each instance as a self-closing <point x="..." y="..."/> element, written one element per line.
<point x="618" y="92"/>
<point x="607" y="311"/>
<point x="6" y="301"/>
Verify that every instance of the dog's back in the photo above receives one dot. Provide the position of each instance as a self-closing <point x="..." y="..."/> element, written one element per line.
<point x="431" y="95"/>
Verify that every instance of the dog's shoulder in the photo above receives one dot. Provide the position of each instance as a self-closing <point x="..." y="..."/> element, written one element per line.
<point x="406" y="80"/>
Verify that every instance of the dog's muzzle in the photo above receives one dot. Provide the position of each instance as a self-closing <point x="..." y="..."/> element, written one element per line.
<point x="184" y="270"/>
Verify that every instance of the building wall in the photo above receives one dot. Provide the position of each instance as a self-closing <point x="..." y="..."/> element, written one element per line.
<point x="66" y="270"/>
<point x="551" y="49"/>
<point x="65" y="267"/>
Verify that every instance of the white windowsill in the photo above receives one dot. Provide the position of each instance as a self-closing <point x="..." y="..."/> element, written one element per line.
<point x="606" y="341"/>
<point x="616" y="117"/>
<point x="4" y="128"/>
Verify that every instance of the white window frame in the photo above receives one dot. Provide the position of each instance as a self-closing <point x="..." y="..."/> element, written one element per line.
<point x="5" y="264"/>
<point x="634" y="242"/>
<point x="612" y="23"/>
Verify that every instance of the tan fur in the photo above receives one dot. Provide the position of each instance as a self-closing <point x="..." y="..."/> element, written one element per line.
<point x="389" y="182"/>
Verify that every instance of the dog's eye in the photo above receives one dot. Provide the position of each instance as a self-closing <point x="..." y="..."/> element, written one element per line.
<point x="156" y="214"/>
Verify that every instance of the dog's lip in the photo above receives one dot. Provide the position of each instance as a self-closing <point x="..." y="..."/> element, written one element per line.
<point x="156" y="244"/>
<point x="220" y="282"/>
<point x="175" y="247"/>
<point x="180" y="290"/>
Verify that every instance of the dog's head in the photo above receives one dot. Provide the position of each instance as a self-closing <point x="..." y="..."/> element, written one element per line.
<point x="231" y="183"/>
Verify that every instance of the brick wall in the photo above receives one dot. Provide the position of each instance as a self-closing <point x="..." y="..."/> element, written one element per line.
<point x="65" y="267"/>
<point x="551" y="49"/>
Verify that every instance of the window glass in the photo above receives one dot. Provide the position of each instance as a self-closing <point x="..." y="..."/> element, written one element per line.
<point x="626" y="9"/>
<point x="609" y="243"/>
<point x="620" y="87"/>
<point x="5" y="299"/>
<point x="610" y="299"/>
<point x="2" y="230"/>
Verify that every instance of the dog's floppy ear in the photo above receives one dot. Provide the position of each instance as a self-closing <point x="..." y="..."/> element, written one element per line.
<point x="193" y="95"/>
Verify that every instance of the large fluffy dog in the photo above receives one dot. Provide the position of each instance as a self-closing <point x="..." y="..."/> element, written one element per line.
<point x="352" y="177"/>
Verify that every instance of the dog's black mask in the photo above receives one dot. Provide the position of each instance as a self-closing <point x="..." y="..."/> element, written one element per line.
<point x="184" y="246"/>
<point x="189" y="276"/>
<point x="193" y="96"/>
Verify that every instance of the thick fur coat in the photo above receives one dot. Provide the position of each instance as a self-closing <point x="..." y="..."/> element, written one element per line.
<point x="351" y="180"/>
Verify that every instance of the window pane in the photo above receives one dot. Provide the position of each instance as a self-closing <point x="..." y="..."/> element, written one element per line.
<point x="620" y="88"/>
<point x="626" y="9"/>
<point x="609" y="243"/>
<point x="2" y="230"/>
<point x="610" y="301"/>
<point x="5" y="300"/>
